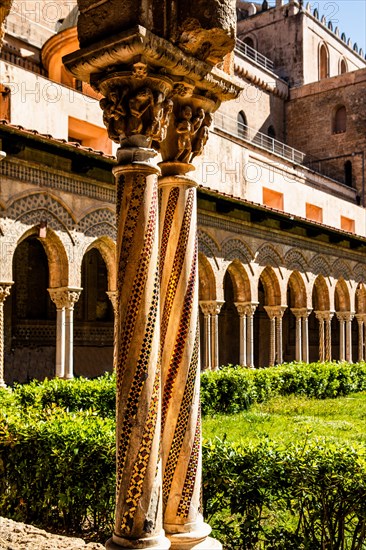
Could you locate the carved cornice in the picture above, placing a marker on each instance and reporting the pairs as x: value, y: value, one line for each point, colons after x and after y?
x: 95, y: 63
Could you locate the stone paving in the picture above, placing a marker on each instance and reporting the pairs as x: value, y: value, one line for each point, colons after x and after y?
x: 18, y: 536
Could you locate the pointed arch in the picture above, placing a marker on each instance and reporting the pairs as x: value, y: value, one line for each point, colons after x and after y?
x: 107, y: 249
x: 56, y: 256
x: 297, y: 290
x: 272, y: 290
x: 320, y: 294
x: 323, y: 61
x: 240, y: 280
x: 341, y: 296
x: 360, y: 298
x: 207, y: 285
x: 295, y: 260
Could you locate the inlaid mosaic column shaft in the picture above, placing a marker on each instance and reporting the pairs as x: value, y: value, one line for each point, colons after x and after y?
x: 4, y: 293
x: 181, y: 422
x: 349, y: 319
x: 241, y: 308
x: 250, y: 334
x: 320, y: 316
x: 138, y: 522
x: 341, y: 320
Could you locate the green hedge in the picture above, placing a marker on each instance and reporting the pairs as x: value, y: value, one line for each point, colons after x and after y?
x: 57, y: 469
x: 78, y: 394
x: 302, y: 498
x: 233, y: 389
x: 229, y: 390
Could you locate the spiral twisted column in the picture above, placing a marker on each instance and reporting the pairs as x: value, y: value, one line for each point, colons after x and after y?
x: 138, y: 522
x: 181, y: 419
x: 4, y: 293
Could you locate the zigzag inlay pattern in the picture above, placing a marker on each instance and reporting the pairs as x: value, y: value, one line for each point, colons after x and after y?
x: 184, y: 324
x: 182, y: 422
x: 168, y: 222
x: 189, y: 483
x: 178, y: 262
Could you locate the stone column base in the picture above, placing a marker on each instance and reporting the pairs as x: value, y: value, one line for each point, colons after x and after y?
x: 163, y: 544
x: 207, y: 544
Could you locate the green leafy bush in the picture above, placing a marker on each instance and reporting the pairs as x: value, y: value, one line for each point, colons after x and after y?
x: 307, y: 498
x: 231, y: 390
x: 98, y: 394
x: 57, y: 469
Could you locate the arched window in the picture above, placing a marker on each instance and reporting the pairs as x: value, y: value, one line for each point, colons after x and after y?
x: 271, y: 132
x: 323, y: 62
x: 242, y: 125
x: 249, y: 42
x: 340, y: 120
x: 343, y: 67
x: 348, y: 173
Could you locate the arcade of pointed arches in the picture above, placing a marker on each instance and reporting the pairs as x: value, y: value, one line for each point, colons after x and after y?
x: 259, y: 305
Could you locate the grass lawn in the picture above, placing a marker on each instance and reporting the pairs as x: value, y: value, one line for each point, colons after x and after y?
x: 293, y: 419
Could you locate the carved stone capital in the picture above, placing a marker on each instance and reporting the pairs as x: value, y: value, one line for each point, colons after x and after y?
x: 275, y: 312
x: 213, y: 307
x: 301, y: 312
x: 324, y: 315
x: 246, y: 308
x: 5, y: 291
x: 64, y: 297
x: 361, y: 317
x: 344, y: 315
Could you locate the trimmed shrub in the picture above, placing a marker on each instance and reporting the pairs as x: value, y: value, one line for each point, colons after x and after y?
x: 57, y: 469
x: 304, y: 498
x: 233, y: 389
x: 98, y: 394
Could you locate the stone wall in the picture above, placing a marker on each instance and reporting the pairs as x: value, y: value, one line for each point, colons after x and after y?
x: 310, y: 121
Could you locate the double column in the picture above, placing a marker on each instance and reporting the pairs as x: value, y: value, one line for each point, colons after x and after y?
x: 325, y: 334
x: 4, y: 293
x: 302, y: 334
x: 64, y: 299
x: 275, y: 314
x: 246, y: 312
x: 211, y: 310
x: 345, y: 335
x: 361, y: 322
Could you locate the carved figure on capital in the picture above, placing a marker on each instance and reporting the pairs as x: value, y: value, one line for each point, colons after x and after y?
x: 128, y: 112
x: 187, y: 128
x: 202, y: 136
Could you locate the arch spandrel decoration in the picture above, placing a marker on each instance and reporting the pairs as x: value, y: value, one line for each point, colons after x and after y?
x: 341, y: 270
x: 296, y: 261
x: 207, y: 245
x: 359, y: 273
x: 99, y: 223
x: 26, y: 208
x: 267, y: 255
x: 236, y: 249
x: 320, y: 266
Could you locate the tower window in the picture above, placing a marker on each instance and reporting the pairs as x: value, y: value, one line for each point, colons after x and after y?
x: 323, y: 62
x: 340, y: 121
